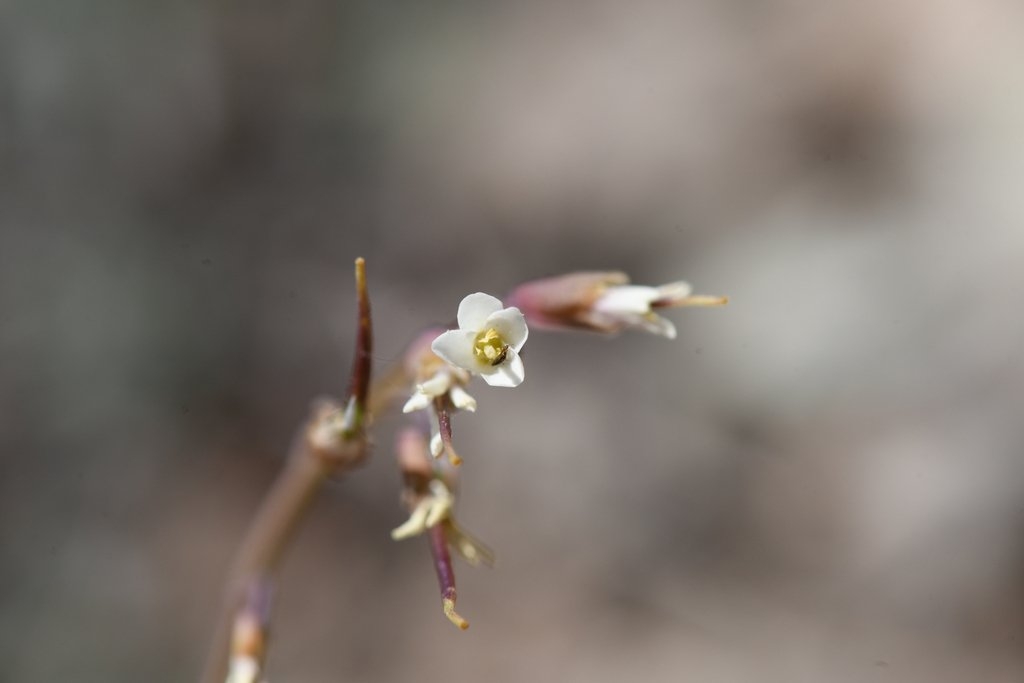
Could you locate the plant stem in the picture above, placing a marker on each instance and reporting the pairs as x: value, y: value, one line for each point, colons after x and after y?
x: 272, y: 528
x: 325, y: 446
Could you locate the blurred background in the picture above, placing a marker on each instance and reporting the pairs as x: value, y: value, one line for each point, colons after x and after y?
x: 822, y: 482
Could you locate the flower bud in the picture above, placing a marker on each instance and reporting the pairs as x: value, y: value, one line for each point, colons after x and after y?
x: 603, y: 302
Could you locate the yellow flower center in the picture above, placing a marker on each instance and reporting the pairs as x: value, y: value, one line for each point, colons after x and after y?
x: 490, y: 348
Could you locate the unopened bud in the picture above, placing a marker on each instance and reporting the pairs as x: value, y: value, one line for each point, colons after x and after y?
x: 603, y: 302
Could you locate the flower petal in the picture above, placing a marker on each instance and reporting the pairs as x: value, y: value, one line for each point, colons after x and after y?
x: 414, y: 525
x: 510, y: 373
x: 510, y: 324
x: 456, y: 347
x: 655, y: 324
x: 436, y: 441
x: 462, y: 400
x: 441, y: 501
x: 436, y: 445
x: 418, y: 401
x: 471, y: 549
x: 674, y: 291
x: 475, y: 308
x: 626, y: 299
x: 436, y: 385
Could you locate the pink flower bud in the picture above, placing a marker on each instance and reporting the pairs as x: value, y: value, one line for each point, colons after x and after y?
x: 603, y: 302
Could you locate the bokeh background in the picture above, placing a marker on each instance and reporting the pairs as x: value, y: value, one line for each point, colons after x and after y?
x: 822, y: 482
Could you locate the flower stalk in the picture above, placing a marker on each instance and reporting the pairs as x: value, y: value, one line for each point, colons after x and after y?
x: 433, y: 377
x: 426, y: 494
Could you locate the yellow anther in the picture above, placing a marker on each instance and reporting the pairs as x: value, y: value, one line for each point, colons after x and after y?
x: 489, y: 347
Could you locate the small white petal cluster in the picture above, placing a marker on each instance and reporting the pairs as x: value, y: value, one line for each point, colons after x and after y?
x: 437, y: 507
x: 631, y: 305
x: 487, y: 342
x: 447, y: 380
x: 431, y: 510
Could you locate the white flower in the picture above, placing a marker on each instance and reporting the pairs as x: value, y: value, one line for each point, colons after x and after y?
x: 631, y: 305
x: 487, y: 342
x: 446, y: 380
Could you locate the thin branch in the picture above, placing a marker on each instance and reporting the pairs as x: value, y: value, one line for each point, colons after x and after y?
x: 362, y: 360
x: 332, y: 442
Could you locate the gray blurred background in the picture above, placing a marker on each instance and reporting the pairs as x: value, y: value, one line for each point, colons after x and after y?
x: 822, y: 482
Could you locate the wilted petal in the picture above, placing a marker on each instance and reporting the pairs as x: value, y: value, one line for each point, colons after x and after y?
x: 440, y: 503
x: 416, y: 524
x: 475, y: 309
x: 462, y: 400
x: 655, y: 324
x: 436, y: 442
x: 417, y: 401
x: 470, y: 549
x: 436, y: 445
x: 436, y: 385
x: 510, y: 373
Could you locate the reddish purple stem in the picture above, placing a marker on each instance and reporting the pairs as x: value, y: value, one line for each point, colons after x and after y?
x: 445, y: 574
x: 359, y: 385
x: 444, y: 424
x: 442, y: 560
